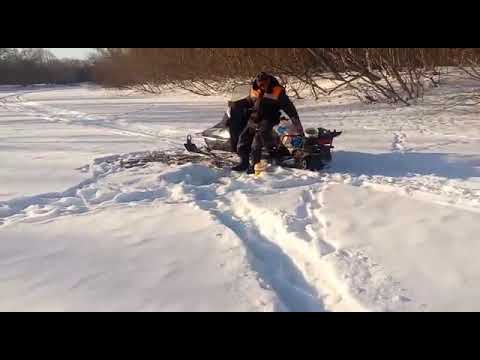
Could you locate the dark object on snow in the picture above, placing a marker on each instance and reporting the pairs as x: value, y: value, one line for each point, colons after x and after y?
x: 253, y: 117
x: 311, y: 151
x: 175, y: 158
x: 190, y: 146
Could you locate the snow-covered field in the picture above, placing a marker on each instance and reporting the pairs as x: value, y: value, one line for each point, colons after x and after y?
x: 392, y: 225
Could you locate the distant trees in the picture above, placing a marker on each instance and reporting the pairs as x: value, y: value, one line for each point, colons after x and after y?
x: 37, y: 65
x: 373, y: 74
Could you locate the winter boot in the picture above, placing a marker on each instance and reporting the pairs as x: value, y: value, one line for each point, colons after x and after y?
x: 241, y: 167
x: 244, y: 164
x: 244, y: 161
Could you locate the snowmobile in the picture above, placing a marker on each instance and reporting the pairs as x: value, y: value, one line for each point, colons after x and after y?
x: 311, y: 151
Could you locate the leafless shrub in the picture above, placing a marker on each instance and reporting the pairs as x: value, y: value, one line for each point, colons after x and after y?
x: 469, y: 62
x: 373, y: 74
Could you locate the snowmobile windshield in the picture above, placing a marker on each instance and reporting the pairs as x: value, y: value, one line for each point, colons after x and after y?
x: 240, y: 92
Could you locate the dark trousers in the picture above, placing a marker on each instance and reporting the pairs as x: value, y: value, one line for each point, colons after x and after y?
x: 239, y: 114
x: 254, y: 138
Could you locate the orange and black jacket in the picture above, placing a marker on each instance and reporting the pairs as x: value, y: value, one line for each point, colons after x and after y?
x: 274, y: 100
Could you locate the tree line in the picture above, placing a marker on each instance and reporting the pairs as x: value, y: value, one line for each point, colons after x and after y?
x: 374, y: 74
x: 39, y: 66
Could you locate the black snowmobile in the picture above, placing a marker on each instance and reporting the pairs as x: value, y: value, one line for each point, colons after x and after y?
x: 310, y: 152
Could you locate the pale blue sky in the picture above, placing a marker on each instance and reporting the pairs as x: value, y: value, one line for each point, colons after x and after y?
x: 77, y: 53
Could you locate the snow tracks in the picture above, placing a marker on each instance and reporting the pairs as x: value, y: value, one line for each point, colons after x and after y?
x: 280, y: 218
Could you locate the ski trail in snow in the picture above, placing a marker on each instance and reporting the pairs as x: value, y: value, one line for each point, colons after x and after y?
x: 316, y: 255
x: 284, y: 259
x: 291, y: 249
x: 275, y: 268
x: 305, y: 249
x: 114, y: 123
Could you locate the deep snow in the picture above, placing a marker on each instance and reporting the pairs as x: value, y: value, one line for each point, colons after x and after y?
x: 391, y: 226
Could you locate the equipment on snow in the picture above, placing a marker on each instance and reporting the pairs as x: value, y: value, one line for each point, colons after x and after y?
x: 311, y: 151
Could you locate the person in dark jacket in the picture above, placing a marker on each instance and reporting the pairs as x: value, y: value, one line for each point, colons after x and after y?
x: 262, y: 107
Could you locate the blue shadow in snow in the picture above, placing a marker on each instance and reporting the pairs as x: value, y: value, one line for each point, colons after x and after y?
x: 406, y: 164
